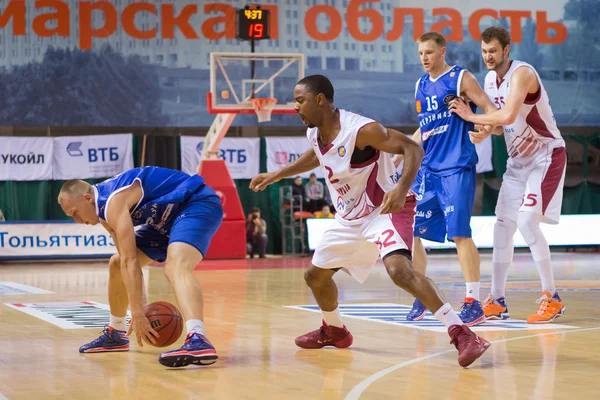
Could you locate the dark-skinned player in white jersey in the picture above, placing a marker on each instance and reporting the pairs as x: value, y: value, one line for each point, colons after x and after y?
x: 375, y: 214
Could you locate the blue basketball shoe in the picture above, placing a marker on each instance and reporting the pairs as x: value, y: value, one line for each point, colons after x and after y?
x: 196, y: 350
x: 418, y: 311
x: 111, y: 340
x: 471, y: 313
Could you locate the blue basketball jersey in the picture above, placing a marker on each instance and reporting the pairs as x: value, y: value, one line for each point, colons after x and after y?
x: 444, y: 136
x: 165, y: 191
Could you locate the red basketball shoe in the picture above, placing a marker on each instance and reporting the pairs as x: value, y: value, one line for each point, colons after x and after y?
x: 325, y: 336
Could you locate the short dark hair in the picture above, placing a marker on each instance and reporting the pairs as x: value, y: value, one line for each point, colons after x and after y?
x: 318, y: 84
x: 498, y: 33
x: 313, y: 174
x: 255, y: 209
x: 437, y: 37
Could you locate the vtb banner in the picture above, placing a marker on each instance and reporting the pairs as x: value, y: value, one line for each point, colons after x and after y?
x: 26, y: 158
x: 97, y: 156
x: 146, y: 63
x: 241, y: 155
x: 64, y: 157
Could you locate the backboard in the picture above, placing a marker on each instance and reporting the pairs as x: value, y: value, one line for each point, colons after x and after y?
x: 237, y: 78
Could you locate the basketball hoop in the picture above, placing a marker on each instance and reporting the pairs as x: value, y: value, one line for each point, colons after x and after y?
x: 263, y: 106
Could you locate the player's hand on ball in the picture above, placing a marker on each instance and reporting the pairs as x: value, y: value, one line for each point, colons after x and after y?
x: 393, y: 202
x: 261, y: 181
x: 143, y: 330
x: 480, y: 133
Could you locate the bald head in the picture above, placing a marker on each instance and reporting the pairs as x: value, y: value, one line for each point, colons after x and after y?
x: 74, y: 188
x: 76, y: 198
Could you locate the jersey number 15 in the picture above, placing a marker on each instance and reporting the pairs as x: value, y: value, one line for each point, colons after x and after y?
x: 432, y: 103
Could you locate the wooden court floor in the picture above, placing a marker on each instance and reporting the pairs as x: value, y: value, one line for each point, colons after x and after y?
x: 255, y: 309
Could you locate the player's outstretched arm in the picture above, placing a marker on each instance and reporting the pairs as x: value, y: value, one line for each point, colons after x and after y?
x: 119, y: 220
x: 520, y: 82
x: 397, y: 159
x: 306, y: 162
x: 393, y: 142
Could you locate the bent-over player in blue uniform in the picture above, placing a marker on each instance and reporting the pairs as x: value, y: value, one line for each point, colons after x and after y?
x: 178, y: 215
x: 445, y: 184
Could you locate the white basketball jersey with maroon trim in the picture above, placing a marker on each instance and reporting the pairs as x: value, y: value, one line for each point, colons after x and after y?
x: 534, y: 132
x: 356, y: 190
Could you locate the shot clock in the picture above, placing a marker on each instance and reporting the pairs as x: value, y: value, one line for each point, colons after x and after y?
x: 253, y: 24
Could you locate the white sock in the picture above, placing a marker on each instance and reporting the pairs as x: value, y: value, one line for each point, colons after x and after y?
x: 118, y: 323
x: 333, y: 318
x: 473, y: 290
x: 195, y: 325
x: 448, y: 316
x: 529, y: 225
x: 504, y: 231
x: 547, y: 275
x: 499, y: 276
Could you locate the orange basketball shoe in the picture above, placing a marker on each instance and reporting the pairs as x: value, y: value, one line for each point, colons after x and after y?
x: 495, y: 308
x: 551, y: 307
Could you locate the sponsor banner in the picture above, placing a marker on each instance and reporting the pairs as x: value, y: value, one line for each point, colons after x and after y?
x: 25, y: 158
x: 395, y: 314
x: 573, y: 230
x: 242, y: 155
x: 69, y: 315
x: 95, y: 156
x: 284, y: 150
x: 18, y: 288
x: 54, y: 240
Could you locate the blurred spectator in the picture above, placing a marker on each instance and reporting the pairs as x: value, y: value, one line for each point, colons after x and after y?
x: 298, y: 190
x: 256, y: 234
x: 324, y: 213
x: 315, y: 193
x: 2, y: 216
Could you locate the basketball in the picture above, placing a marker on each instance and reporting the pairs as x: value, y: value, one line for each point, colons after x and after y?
x: 166, y: 320
x: 225, y: 94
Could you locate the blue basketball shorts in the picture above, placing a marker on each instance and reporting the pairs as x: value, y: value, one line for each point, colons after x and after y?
x: 195, y: 224
x: 444, y: 204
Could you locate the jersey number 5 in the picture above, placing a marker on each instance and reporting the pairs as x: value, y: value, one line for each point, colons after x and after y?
x: 499, y: 102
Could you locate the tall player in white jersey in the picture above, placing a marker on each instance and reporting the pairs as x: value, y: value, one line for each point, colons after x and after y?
x: 375, y: 214
x: 532, y: 187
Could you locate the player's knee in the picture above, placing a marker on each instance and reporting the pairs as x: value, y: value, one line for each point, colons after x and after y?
x: 114, y: 266
x: 170, y: 271
x: 400, y: 269
x: 528, y: 224
x: 504, y: 229
x: 314, y: 278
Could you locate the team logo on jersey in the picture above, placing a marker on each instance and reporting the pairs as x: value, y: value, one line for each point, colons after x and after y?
x: 449, y: 98
x: 452, y: 74
x: 341, y: 151
x: 137, y: 214
x: 418, y: 105
x: 340, y: 203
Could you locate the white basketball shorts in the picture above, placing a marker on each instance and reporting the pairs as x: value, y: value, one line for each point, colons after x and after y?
x: 356, y: 247
x: 536, y: 187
